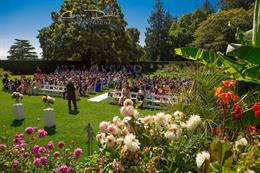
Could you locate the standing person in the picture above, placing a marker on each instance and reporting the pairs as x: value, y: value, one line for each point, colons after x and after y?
x: 71, y: 96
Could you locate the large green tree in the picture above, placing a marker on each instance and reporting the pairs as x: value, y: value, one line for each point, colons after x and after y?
x: 216, y: 32
x: 65, y: 40
x: 156, y: 41
x: 182, y: 31
x: 22, y: 50
x: 135, y: 50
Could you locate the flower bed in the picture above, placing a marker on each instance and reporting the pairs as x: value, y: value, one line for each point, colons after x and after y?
x: 163, y: 142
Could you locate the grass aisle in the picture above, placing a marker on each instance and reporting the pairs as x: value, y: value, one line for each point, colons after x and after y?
x: 68, y: 127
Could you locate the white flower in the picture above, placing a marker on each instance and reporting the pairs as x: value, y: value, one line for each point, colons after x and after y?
x: 128, y: 111
x: 128, y: 102
x: 241, y: 142
x: 201, y: 158
x: 193, y: 122
x: 131, y: 143
x: 168, y: 117
x: 126, y: 119
x: 103, y: 126
x: 125, y: 131
x: 113, y: 129
x: 110, y: 141
x: 161, y: 119
x: 119, y: 141
x: 101, y: 138
x: 117, y: 121
x: 173, y: 132
x: 135, y: 114
x: 178, y: 115
x: 250, y: 171
x: 148, y: 120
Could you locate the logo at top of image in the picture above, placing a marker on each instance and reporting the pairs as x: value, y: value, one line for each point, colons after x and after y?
x: 87, y: 17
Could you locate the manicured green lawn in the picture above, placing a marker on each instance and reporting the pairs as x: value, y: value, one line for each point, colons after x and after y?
x: 68, y: 127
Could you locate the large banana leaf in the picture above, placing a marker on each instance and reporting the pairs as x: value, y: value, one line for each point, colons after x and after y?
x: 189, y: 53
x: 252, y: 72
x: 239, y: 70
x: 247, y: 53
x: 198, y: 54
x: 209, y: 58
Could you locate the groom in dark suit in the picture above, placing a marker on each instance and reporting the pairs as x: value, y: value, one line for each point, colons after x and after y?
x: 71, y: 96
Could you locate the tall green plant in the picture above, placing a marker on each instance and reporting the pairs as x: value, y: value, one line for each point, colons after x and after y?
x: 256, y: 26
x: 199, y: 98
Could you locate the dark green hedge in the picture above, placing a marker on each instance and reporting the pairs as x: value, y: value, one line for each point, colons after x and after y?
x: 29, y: 67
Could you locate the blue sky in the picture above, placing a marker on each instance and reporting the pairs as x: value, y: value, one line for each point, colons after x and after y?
x: 23, y: 18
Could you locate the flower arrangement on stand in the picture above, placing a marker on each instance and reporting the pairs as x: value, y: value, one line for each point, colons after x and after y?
x: 17, y: 96
x: 48, y: 100
x: 48, y: 112
x: 18, y: 107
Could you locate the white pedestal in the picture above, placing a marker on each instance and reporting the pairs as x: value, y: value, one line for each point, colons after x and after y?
x: 49, y: 117
x: 18, y: 111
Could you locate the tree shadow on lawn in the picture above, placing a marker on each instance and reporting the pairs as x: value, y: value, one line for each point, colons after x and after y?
x: 17, y: 123
x: 50, y: 130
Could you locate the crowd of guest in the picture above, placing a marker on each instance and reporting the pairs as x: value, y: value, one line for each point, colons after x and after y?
x: 123, y: 78
x: 156, y: 85
x: 84, y: 79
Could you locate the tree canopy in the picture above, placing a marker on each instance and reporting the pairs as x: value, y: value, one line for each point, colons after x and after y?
x: 22, y: 50
x: 181, y: 31
x: 65, y: 40
x: 220, y: 28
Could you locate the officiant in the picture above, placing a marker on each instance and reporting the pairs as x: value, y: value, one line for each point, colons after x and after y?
x: 71, y: 95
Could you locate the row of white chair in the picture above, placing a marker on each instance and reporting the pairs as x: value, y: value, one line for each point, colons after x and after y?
x: 150, y: 100
x: 52, y: 90
x: 57, y: 90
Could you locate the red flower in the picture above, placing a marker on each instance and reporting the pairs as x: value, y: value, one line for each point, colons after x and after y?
x: 252, y: 128
x: 213, y: 131
x: 229, y: 83
x: 237, y: 112
x: 226, y: 97
x: 256, y: 109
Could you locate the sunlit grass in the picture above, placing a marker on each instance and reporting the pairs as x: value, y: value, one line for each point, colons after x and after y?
x: 68, y: 127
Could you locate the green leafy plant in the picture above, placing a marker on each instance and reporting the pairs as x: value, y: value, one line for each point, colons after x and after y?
x: 241, y: 63
x: 199, y: 95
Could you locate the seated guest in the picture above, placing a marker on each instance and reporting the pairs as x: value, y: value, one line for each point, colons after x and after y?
x: 140, y: 98
x: 125, y: 94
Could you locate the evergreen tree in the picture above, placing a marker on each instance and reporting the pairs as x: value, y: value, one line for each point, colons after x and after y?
x: 207, y: 7
x: 157, y: 33
x: 166, y: 49
x: 22, y: 50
